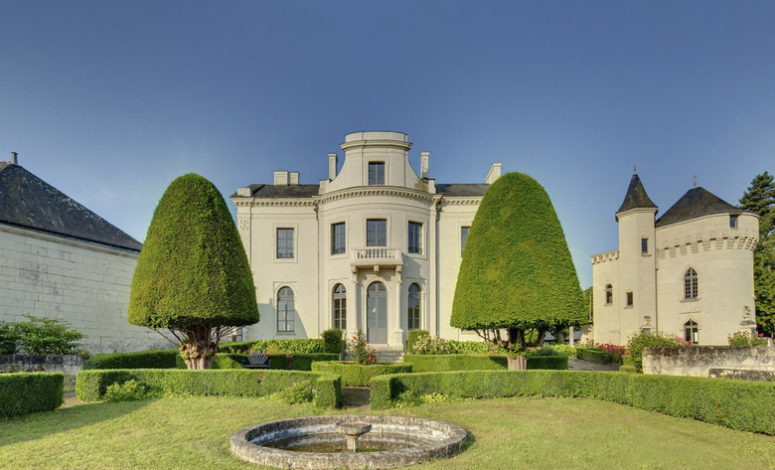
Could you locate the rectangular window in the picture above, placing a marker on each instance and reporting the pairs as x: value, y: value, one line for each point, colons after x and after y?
x: 732, y: 221
x: 376, y: 232
x: 415, y: 237
x: 376, y: 173
x: 629, y: 299
x: 284, y: 243
x: 463, y: 239
x: 644, y: 246
x: 338, y: 238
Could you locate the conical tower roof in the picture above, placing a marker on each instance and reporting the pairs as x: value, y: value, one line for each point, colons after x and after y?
x: 636, y: 197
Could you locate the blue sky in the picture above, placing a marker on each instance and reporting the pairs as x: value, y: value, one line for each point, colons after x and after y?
x: 110, y: 101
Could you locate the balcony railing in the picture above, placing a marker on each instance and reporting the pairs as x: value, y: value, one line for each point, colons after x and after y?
x: 376, y: 256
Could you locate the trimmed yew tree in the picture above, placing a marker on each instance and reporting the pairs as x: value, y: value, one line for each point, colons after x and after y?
x: 517, y: 273
x: 192, y: 278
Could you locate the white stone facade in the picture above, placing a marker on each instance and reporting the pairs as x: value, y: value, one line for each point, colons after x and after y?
x: 691, y: 278
x: 86, y: 284
x: 398, y: 276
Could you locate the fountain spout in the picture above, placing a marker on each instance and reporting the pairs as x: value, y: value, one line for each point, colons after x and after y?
x: 353, y: 431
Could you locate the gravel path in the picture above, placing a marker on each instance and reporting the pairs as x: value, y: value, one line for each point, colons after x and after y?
x: 578, y: 364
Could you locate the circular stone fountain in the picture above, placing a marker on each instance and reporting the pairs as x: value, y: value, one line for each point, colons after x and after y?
x: 323, y: 442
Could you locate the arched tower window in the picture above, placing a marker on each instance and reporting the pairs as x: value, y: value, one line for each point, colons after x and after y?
x: 691, y: 332
x: 285, y: 310
x: 413, y: 307
x: 690, y: 284
x: 609, y: 294
x: 340, y: 307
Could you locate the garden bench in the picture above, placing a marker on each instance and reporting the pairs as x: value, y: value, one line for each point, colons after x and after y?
x: 257, y: 360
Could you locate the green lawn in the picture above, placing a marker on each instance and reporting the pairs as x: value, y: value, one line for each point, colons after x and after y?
x: 507, y: 433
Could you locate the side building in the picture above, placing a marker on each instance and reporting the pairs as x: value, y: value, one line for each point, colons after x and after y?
x: 688, y: 273
x: 374, y: 246
x: 61, y: 260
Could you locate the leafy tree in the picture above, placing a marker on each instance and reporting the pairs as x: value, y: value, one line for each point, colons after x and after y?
x: 517, y: 271
x: 760, y: 198
x: 193, y: 278
x: 39, y: 335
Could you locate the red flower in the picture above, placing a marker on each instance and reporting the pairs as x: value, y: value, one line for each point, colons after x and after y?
x: 761, y: 335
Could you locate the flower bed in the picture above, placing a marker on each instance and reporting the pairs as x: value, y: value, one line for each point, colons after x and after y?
x: 356, y: 375
x: 91, y: 385
x: 746, y: 406
x: 27, y: 392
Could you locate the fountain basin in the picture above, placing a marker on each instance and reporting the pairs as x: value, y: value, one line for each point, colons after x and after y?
x: 393, y: 441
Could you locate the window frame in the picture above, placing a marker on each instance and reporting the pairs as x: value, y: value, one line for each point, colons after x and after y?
x: 691, y: 284
x: 629, y: 299
x: 692, y: 332
x: 464, y: 240
x: 334, y: 225
x: 644, y: 245
x: 339, y: 306
x: 286, y: 321
x: 385, y: 225
x: 419, y: 245
x: 376, y: 164
x: 734, y: 221
x: 609, y: 294
x: 414, y: 312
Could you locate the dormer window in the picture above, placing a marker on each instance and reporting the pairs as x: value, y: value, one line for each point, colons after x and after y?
x: 376, y: 173
x: 733, y: 221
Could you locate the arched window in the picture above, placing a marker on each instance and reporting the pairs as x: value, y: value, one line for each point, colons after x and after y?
x: 340, y: 307
x: 609, y: 294
x: 690, y: 284
x: 413, y: 307
x: 285, y: 310
x: 691, y: 332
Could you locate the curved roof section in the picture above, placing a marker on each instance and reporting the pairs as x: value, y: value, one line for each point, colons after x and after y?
x: 28, y: 201
x: 697, y: 202
x: 636, y: 197
x: 308, y: 190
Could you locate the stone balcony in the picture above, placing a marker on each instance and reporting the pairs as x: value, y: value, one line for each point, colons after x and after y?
x: 376, y: 257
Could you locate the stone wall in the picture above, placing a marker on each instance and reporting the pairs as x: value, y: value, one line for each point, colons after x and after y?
x: 68, y: 365
x: 86, y: 284
x: 710, y: 361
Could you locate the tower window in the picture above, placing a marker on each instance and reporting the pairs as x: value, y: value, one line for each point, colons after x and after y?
x: 691, y: 289
x: 692, y: 332
x: 376, y: 173
x: 376, y: 232
x: 463, y: 239
x: 338, y: 239
x: 630, y: 299
x: 609, y: 294
x: 415, y: 237
x: 733, y: 221
x: 284, y: 243
x: 644, y: 246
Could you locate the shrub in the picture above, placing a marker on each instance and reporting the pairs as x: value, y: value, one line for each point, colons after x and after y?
x: 412, y: 337
x: 451, y: 362
x: 563, y: 349
x: 24, y: 392
x: 742, y: 338
x: 643, y: 340
x: 162, y: 359
x: 737, y: 404
x: 333, y: 341
x: 595, y: 355
x: 357, y: 375
x: 300, y: 392
x: 287, y: 346
x: 276, y: 361
x: 91, y: 385
x: 360, y: 349
x: 9, y: 338
x: 131, y: 390
x: 45, y: 336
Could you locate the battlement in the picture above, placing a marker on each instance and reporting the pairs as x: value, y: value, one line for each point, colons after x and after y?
x: 612, y: 255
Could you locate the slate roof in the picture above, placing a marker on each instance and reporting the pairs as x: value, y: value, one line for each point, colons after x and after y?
x: 636, y: 197
x: 462, y: 189
x: 28, y: 201
x: 309, y: 190
x: 697, y: 202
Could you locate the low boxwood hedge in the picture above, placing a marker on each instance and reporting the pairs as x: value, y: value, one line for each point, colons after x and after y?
x: 28, y: 392
x: 164, y: 359
x: 91, y: 384
x: 595, y: 355
x: 286, y: 346
x: 356, y: 375
x: 450, y: 362
x: 276, y: 361
x: 737, y: 404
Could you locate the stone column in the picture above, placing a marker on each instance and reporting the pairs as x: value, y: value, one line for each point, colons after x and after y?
x: 571, y: 334
x: 398, y: 333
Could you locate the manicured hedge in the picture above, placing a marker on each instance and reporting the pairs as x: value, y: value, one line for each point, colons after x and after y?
x: 276, y: 361
x: 594, y: 355
x: 356, y: 375
x: 451, y: 362
x: 287, y: 346
x: 91, y: 384
x: 27, y: 392
x: 737, y: 404
x: 166, y: 359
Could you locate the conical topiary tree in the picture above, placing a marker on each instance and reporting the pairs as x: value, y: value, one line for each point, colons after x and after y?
x: 517, y: 271
x: 193, y: 277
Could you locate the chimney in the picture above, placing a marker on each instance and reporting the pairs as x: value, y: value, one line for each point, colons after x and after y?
x: 293, y: 178
x: 424, y: 157
x: 493, y: 174
x: 280, y: 178
x: 14, y: 158
x: 245, y: 192
x: 332, y: 163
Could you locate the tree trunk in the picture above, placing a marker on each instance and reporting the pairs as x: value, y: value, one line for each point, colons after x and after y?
x: 541, y: 336
x: 517, y: 363
x: 198, y: 348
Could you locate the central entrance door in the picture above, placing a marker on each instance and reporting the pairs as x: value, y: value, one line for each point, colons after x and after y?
x: 376, y: 306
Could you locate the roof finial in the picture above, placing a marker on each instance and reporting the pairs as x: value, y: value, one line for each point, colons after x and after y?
x: 634, y: 169
x: 695, y: 181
